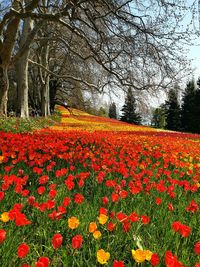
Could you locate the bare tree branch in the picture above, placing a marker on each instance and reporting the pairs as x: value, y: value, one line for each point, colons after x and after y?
x: 63, y: 76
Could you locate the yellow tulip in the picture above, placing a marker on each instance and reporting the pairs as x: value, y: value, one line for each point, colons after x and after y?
x: 102, y: 218
x: 148, y: 255
x: 97, y: 234
x: 73, y: 223
x: 4, y: 217
x: 139, y: 255
x: 103, y: 256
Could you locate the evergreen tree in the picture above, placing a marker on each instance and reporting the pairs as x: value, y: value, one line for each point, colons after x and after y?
x: 159, y: 118
x: 196, y: 110
x: 188, y: 105
x: 129, y: 113
x: 112, y: 113
x: 172, y: 110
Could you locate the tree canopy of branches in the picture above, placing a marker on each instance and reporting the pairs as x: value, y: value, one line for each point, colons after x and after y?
x: 99, y: 44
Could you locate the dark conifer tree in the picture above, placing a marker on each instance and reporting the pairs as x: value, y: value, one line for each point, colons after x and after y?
x: 173, y: 112
x: 196, y: 110
x: 129, y: 113
x: 159, y: 117
x: 112, y: 113
x: 188, y: 106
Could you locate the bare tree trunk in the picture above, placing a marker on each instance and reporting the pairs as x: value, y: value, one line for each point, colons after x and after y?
x: 22, y: 72
x: 45, y: 105
x: 22, y: 86
x: 7, y: 42
x: 4, y: 85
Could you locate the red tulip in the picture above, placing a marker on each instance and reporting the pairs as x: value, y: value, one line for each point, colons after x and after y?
x: 158, y: 201
x: 103, y: 210
x: 31, y: 200
x: 185, y: 230
x: 114, y: 197
x: 42, y: 262
x: 170, y: 207
x: 111, y: 226
x: 118, y: 264
x: 176, y: 226
x: 77, y: 241
x: 22, y: 250
x: 193, y: 207
x: 145, y: 219
x: 105, y: 200
x: 57, y: 241
x: 122, y: 217
x: 2, y: 194
x: 155, y: 260
x: 43, y: 179
x: 78, y: 198
x: 69, y: 183
x: 197, y: 248
x: 170, y: 260
x: 126, y: 226
x: 41, y: 190
x: 2, y: 235
x: 66, y: 201
x: 52, y: 193
x: 21, y: 220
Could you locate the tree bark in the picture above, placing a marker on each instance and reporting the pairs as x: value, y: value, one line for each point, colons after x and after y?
x: 8, y: 35
x: 4, y: 85
x: 22, y: 72
x: 22, y: 87
x: 45, y: 105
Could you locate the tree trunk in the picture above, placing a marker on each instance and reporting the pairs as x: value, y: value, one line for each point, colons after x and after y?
x: 45, y: 108
x: 22, y: 86
x: 45, y: 105
x: 22, y: 73
x: 4, y: 85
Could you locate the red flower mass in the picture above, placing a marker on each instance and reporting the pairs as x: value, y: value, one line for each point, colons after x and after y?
x: 138, y: 177
x: 184, y: 230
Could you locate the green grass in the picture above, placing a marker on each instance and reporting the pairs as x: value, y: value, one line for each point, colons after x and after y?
x: 21, y: 125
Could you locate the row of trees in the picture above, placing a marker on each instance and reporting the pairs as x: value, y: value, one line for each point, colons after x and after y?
x: 183, y: 115
x: 174, y: 114
x: 51, y: 50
